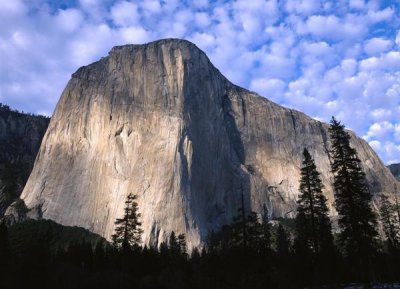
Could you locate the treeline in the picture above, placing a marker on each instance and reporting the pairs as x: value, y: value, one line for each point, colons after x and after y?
x: 252, y: 252
x: 6, y: 109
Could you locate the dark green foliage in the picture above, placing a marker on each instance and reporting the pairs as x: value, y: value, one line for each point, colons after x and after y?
x: 4, y: 250
x: 127, y: 229
x: 182, y: 244
x: 265, y: 229
x: 357, y: 221
x: 313, y: 227
x: 82, y: 261
x: 282, y: 242
x: 314, y: 240
x: 173, y: 244
x: 390, y: 222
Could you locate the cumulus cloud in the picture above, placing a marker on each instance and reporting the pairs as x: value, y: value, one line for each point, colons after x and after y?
x: 376, y: 46
x: 322, y: 57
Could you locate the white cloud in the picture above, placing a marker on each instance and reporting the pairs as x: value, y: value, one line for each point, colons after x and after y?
x: 322, y: 57
x: 69, y: 20
x: 125, y: 13
x: 331, y: 27
x: 376, y: 145
x: 272, y: 88
x: 303, y: 7
x: 12, y: 7
x: 376, y: 46
x: 380, y: 15
x: 380, y: 130
x: 135, y: 34
x: 151, y: 6
x: 397, y: 40
x: 357, y: 4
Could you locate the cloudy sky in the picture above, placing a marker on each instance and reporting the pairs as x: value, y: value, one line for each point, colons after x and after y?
x: 339, y: 57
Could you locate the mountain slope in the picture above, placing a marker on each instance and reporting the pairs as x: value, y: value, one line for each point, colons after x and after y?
x: 395, y: 169
x: 159, y: 120
x: 20, y: 138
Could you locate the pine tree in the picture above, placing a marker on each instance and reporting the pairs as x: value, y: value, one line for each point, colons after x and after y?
x: 182, y: 244
x: 313, y: 227
x: 240, y: 225
x: 357, y: 221
x: 388, y: 216
x: 127, y: 231
x: 266, y: 229
x: 173, y: 244
x: 282, y: 242
x: 4, y: 251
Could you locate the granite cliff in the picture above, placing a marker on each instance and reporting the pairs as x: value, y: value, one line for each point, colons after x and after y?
x: 395, y: 169
x: 20, y: 138
x: 160, y: 121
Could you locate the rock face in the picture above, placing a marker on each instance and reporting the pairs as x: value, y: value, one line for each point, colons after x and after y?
x: 159, y: 120
x: 395, y: 169
x: 20, y: 138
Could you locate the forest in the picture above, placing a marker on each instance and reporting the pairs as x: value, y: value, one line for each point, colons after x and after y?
x: 361, y: 248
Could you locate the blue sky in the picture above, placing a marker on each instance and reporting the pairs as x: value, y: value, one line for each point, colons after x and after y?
x: 339, y: 57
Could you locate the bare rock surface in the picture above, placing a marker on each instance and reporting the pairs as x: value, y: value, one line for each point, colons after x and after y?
x: 160, y: 121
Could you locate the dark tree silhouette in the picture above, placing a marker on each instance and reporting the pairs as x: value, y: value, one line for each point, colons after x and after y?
x: 313, y: 226
x: 182, y: 244
x: 314, y: 241
x: 282, y: 242
x: 265, y: 229
x: 357, y: 221
x: 390, y: 224
x: 173, y: 243
x: 127, y: 231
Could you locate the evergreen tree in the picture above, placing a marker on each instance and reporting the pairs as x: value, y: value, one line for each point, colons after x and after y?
x: 4, y: 251
x: 313, y: 227
x: 240, y: 226
x: 357, y: 221
x: 127, y: 231
x: 388, y: 216
x: 182, y: 244
x: 282, y: 242
x: 173, y: 244
x: 265, y: 229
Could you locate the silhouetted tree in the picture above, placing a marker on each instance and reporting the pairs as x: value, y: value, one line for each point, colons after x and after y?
x: 4, y: 251
x: 313, y: 226
x: 388, y: 216
x: 282, y: 242
x: 314, y: 240
x: 127, y: 231
x: 182, y: 244
x: 173, y: 244
x: 265, y: 229
x: 357, y: 221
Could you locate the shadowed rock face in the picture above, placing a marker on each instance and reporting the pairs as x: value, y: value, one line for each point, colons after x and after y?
x: 159, y: 120
x: 20, y: 138
x: 395, y: 169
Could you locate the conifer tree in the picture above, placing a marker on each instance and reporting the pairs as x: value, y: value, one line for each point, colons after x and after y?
x: 182, y: 244
x: 282, y: 242
x: 313, y: 227
x: 266, y: 229
x: 357, y: 221
x: 127, y: 231
x: 390, y: 224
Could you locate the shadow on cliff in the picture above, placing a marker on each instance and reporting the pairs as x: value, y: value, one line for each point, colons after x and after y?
x: 215, y: 184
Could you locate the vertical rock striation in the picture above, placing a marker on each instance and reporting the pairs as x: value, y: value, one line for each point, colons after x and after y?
x: 160, y: 121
